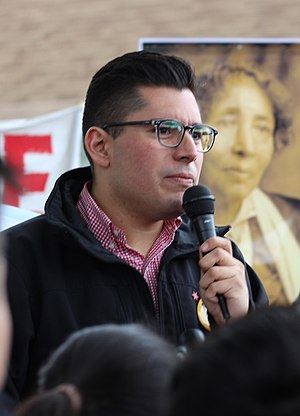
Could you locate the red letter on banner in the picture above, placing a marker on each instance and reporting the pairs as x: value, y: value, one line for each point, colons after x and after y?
x: 15, y: 146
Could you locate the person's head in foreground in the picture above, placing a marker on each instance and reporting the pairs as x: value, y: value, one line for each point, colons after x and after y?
x: 251, y: 367
x: 6, y: 174
x: 108, y: 369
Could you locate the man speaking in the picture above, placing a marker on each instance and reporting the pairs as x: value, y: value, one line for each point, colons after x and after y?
x: 113, y: 244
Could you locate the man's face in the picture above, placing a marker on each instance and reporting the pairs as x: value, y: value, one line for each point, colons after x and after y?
x: 146, y: 178
x: 244, y: 147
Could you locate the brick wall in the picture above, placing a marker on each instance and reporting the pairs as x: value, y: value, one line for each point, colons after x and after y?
x: 50, y: 49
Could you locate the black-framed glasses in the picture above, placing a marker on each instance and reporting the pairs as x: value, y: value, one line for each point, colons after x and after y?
x: 170, y: 132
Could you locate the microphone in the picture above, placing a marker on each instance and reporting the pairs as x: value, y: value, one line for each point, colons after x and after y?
x: 199, y: 205
x: 188, y: 340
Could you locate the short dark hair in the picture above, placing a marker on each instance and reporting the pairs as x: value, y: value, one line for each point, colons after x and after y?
x: 118, y: 369
x: 210, y: 85
x: 250, y: 367
x: 113, y: 91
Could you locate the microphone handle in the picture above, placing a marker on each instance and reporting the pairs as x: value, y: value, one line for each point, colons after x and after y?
x: 205, y: 228
x: 224, y: 308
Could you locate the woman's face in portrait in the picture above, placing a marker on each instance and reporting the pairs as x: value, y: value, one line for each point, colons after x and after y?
x: 244, y: 116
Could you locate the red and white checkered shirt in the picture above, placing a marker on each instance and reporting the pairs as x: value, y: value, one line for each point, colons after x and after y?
x: 113, y: 239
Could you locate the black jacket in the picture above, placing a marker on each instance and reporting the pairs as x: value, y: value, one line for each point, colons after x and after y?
x: 61, y: 279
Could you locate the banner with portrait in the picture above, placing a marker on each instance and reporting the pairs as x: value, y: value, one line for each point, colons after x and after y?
x: 249, y: 89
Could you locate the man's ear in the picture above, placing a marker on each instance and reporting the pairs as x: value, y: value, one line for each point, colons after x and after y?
x: 97, y: 143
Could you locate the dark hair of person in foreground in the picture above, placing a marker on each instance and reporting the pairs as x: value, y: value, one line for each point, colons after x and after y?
x: 105, y: 370
x: 249, y: 368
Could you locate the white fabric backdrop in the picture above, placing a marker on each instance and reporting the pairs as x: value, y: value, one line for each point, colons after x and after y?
x: 41, y: 149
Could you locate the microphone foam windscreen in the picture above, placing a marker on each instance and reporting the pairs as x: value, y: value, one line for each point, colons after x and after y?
x: 198, y: 200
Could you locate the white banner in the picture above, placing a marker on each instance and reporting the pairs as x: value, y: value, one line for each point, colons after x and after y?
x: 11, y: 216
x: 40, y: 149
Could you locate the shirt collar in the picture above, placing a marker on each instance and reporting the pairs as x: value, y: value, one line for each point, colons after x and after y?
x: 98, y: 221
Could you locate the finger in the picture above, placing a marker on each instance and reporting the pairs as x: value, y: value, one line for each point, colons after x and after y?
x: 233, y: 277
x: 215, y: 242
x: 217, y: 257
x: 213, y: 307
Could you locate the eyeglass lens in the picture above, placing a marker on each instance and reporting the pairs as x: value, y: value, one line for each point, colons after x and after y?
x: 170, y: 133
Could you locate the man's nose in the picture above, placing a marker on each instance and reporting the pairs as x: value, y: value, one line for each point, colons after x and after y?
x: 187, y: 148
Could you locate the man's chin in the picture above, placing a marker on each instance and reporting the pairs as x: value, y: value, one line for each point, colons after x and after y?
x: 175, y: 209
